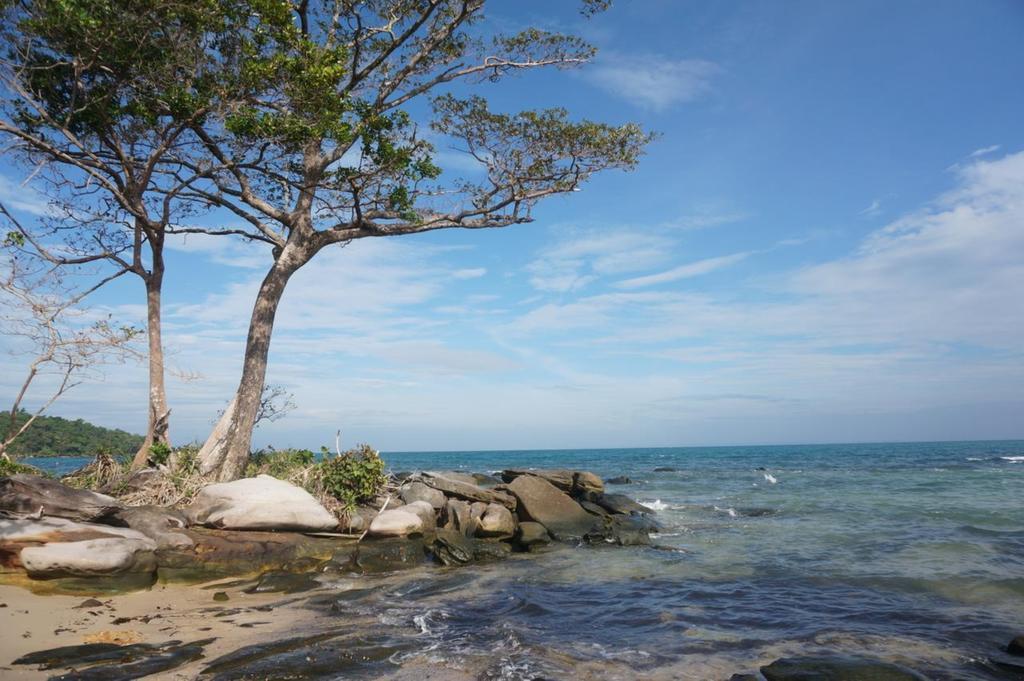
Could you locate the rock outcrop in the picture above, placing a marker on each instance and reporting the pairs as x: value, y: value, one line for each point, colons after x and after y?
x: 57, y: 547
x: 396, y: 522
x: 260, y: 503
x: 571, y: 482
x: 838, y: 667
x: 34, y: 495
x: 542, y: 502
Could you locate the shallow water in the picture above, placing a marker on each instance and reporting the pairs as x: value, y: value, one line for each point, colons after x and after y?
x: 912, y: 553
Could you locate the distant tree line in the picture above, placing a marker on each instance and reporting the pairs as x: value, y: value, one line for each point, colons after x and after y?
x: 54, y: 436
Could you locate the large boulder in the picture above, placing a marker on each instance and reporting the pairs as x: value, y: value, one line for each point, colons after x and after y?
x: 837, y: 668
x: 530, y: 534
x: 34, y: 495
x: 396, y: 522
x: 542, y: 502
x: 617, y: 503
x: 573, y: 482
x: 497, y: 522
x: 451, y: 547
x: 260, y: 503
x: 458, y: 516
x: 57, y: 547
x: 1016, y: 646
x: 425, y: 511
x: 467, y: 492
x: 418, y: 491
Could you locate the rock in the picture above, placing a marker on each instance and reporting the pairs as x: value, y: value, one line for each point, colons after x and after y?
x: 28, y: 494
x: 622, y: 530
x: 387, y: 555
x: 744, y: 677
x: 532, y: 534
x: 542, y: 502
x: 484, y: 480
x: 141, y: 479
x: 451, y: 547
x: 425, y: 512
x: 1016, y: 646
x: 466, y: 478
x: 458, y: 516
x: 417, y: 491
x: 108, y: 661
x: 58, y: 547
x: 619, y: 480
x: 573, y: 482
x: 163, y: 525
x: 497, y: 522
x: 837, y: 669
x: 221, y: 596
x: 396, y: 523
x: 467, y: 491
x: 260, y: 503
x: 89, y: 558
x: 477, y: 510
x: 281, y: 581
x: 617, y: 503
x: 490, y: 550
x: 665, y: 469
x: 591, y: 507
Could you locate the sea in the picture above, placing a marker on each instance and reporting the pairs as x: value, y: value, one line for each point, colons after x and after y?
x: 911, y: 553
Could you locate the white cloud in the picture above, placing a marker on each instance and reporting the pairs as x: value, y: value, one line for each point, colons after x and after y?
x: 22, y: 198
x: 652, y: 81
x: 583, y: 256
x: 984, y: 151
x: 873, y: 209
x: 469, y: 273
x: 693, y: 269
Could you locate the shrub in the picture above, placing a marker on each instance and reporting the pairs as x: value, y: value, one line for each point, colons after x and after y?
x: 283, y: 464
x: 11, y: 467
x: 353, y: 477
x: 159, y: 452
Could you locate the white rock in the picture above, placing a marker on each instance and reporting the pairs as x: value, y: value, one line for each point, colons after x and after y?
x: 497, y: 521
x: 260, y: 503
x: 425, y: 511
x: 396, y: 523
x: 91, y: 557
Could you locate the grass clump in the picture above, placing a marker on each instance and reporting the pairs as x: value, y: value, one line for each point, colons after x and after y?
x: 104, y: 472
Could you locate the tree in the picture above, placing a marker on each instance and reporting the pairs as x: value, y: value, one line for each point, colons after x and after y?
x: 97, y: 95
x: 311, y: 140
x: 41, y: 312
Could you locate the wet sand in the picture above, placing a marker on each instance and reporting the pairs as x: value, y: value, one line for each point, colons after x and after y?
x: 30, y: 622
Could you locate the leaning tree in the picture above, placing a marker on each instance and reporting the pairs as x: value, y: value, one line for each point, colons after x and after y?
x: 318, y: 135
x: 96, y: 98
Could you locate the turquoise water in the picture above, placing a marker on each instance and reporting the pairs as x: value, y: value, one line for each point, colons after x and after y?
x: 912, y: 553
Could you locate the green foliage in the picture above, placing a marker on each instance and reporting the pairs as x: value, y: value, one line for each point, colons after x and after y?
x: 354, y: 477
x: 159, y: 452
x: 283, y: 464
x: 55, y: 436
x: 8, y: 467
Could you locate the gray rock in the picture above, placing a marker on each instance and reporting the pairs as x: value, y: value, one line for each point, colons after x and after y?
x: 396, y: 523
x: 162, y: 525
x: 451, y: 547
x: 573, y: 482
x: 1016, y: 646
x: 418, y: 491
x: 837, y: 668
x: 665, y: 469
x: 497, y: 522
x: 484, y: 480
x: 467, y: 491
x: 425, y: 512
x: 619, y: 480
x: 617, y: 503
x: 532, y: 534
x: 542, y: 502
x: 591, y: 507
x: 260, y: 503
x: 29, y: 494
x: 458, y: 516
x: 622, y: 530
x: 490, y: 550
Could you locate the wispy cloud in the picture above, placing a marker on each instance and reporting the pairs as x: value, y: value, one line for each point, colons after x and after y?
x: 687, y: 271
x: 652, y: 81
x: 469, y: 273
x: 873, y: 209
x: 984, y: 151
x: 585, y: 255
x: 22, y: 198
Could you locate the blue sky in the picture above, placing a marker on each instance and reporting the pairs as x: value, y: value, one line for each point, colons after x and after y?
x: 826, y: 243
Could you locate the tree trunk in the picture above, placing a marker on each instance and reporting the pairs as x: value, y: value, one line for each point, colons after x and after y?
x: 159, y: 414
x: 227, y: 449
